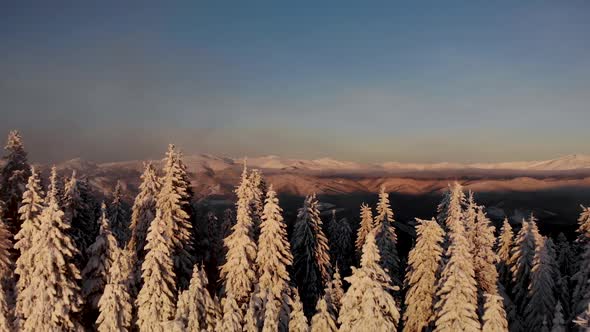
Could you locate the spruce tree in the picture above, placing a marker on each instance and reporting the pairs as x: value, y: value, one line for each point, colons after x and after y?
x: 366, y: 226
x: 297, y: 319
x: 386, y: 237
x: 521, y: 262
x: 30, y: 211
x: 143, y: 212
x: 424, y: 264
x: 6, y: 319
x: 324, y: 319
x: 115, y: 304
x: 484, y: 256
x: 258, y: 195
x: 340, y: 241
x: 312, y: 267
x: 581, y: 287
x: 335, y: 291
x: 118, y: 216
x: 541, y: 299
x: 196, y: 309
x: 238, y: 272
x: 77, y: 213
x: 369, y: 291
x: 232, y: 316
x: 505, y: 243
x: 450, y: 210
x: 52, y: 299
x: 470, y: 219
x: 13, y: 179
x: 101, y: 256
x: 494, y: 317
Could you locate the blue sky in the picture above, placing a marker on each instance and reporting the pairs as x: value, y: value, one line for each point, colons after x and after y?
x: 367, y: 81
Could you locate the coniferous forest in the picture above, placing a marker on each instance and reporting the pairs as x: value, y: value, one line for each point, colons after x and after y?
x: 71, y: 261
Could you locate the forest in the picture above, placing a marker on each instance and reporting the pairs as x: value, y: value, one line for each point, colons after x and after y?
x: 73, y: 260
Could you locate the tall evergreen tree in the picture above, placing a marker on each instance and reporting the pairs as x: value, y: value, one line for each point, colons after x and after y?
x: 6, y: 319
x: 367, y: 225
x: 386, y: 237
x: 424, y: 264
x: 367, y: 304
x: 196, y: 309
x: 232, y: 316
x: 521, y: 262
x: 101, y: 256
x: 450, y: 210
x: 52, y: 299
x: 115, y: 303
x: 13, y: 179
x: 484, y: 256
x: 258, y: 195
x: 324, y: 319
x: 238, y: 272
x: 494, y: 317
x: 505, y: 243
x: 470, y: 219
x: 312, y: 267
x: 335, y: 291
x: 340, y: 241
x: 297, y: 319
x: 77, y: 212
x: 118, y: 217
x: 456, y: 309
x: 30, y: 211
x: 541, y: 299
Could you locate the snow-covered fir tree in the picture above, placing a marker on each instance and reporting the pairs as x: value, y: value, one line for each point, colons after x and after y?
x: 30, y: 211
x: 196, y: 309
x: 14, y: 176
x: 335, y: 290
x: 312, y: 267
x: 484, y: 256
x: 143, y: 212
x: 541, y: 299
x: 424, y: 264
x: 55, y: 186
x: 100, y: 258
x: 232, y: 316
x: 6, y: 319
x: 470, y: 220
x: 297, y: 320
x: 258, y: 195
x: 118, y: 216
x: 581, y: 286
x: 386, y: 237
x: 77, y: 212
x: 52, y: 299
x: 505, y: 243
x: 521, y: 262
x: 238, y: 273
x: 366, y: 226
x: 456, y: 308
x: 450, y: 210
x: 494, y: 317
x: 115, y: 304
x: 369, y: 289
x: 324, y: 319
x: 340, y: 241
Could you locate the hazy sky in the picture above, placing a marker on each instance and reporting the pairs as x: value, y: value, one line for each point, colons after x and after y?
x: 358, y: 80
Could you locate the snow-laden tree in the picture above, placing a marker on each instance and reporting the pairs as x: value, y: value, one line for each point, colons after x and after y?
x: 324, y: 319
x: 484, y: 256
x: 514, y: 319
x: 238, y: 273
x: 505, y: 243
x: 297, y: 319
x: 55, y: 186
x: 258, y: 195
x: 424, y: 264
x: 196, y: 309
x: 13, y: 179
x: 368, y: 304
x: 521, y: 262
x: 100, y: 258
x: 386, y: 237
x: 335, y: 291
x: 584, y: 226
x: 558, y: 324
x: 156, y: 300
x: 312, y: 267
x: 470, y: 220
x: 494, y: 317
x: 115, y: 304
x: 541, y: 298
x: 6, y: 275
x: 143, y: 212
x: 77, y: 213
x: 366, y: 226
x: 581, y: 286
x: 340, y: 241
x: 30, y: 211
x: 232, y: 316
x: 273, y: 261
x: 582, y: 321
x: 52, y: 299
x: 450, y: 210
x: 118, y: 216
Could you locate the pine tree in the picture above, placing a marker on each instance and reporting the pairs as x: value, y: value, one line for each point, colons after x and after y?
x: 470, y: 219
x: 101, y: 256
x: 6, y: 318
x: 30, y: 211
x: 13, y: 179
x: 118, y: 216
x: 456, y: 309
x: 450, y: 210
x: 505, y: 243
x: 424, y: 263
x: 312, y: 265
x: 55, y: 187
x: 196, y: 309
x: 521, y: 262
x: 558, y: 324
x: 484, y: 256
x: 232, y: 316
x: 238, y: 272
x: 369, y: 291
x: 541, y: 299
x: 297, y: 319
x: 143, y: 212
x: 52, y: 298
x: 340, y: 241
x: 324, y: 320
x: 494, y: 317
x: 366, y: 226
x: 77, y: 214
x: 386, y: 237
x: 258, y: 192
x: 115, y: 304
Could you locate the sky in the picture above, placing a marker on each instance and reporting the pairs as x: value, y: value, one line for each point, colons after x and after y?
x: 368, y: 81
